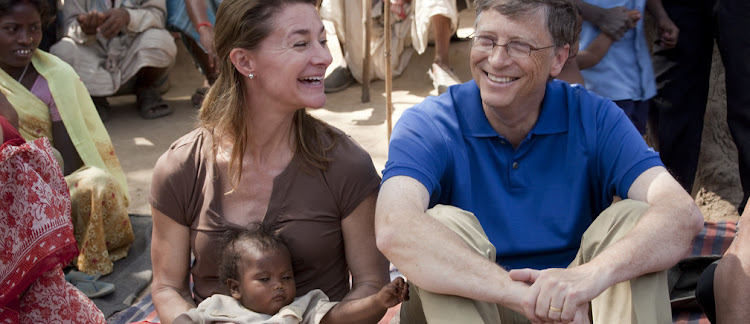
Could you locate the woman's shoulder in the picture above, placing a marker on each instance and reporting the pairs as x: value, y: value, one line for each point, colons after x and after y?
x: 185, y: 153
x: 346, y: 150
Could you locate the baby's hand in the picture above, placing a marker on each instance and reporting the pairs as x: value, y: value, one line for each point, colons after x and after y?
x: 394, y: 293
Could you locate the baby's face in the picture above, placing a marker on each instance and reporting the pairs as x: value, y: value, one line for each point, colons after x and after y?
x: 266, y: 282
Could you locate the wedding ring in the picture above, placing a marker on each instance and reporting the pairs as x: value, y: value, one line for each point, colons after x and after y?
x: 555, y: 309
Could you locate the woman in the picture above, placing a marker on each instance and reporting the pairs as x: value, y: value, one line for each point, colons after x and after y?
x: 36, y: 235
x: 52, y: 102
x: 258, y: 156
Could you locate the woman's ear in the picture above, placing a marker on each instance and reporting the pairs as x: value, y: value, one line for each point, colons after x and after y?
x: 243, y: 60
x: 234, y: 288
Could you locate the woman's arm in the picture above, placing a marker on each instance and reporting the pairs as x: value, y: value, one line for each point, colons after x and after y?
x: 170, y: 255
x: 368, y: 267
x: 71, y: 160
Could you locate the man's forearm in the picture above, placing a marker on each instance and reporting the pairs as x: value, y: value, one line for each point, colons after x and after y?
x: 658, y: 241
x: 436, y: 259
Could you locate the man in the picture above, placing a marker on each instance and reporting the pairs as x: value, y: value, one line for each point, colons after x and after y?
x: 532, y: 163
x: 119, y: 47
x: 682, y: 78
x: 417, y: 19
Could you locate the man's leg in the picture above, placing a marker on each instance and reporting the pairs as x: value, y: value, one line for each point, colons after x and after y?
x: 733, y: 18
x: 641, y: 300
x: 682, y: 79
x: 427, y: 307
x: 441, y: 72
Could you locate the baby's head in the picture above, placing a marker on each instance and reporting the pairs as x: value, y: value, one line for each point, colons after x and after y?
x: 257, y: 268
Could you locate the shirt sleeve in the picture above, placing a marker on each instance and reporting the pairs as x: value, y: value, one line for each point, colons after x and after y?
x: 418, y: 150
x: 623, y: 154
x: 172, y: 184
x: 351, y: 175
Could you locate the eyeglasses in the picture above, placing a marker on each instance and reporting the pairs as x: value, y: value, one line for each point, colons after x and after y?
x: 513, y: 48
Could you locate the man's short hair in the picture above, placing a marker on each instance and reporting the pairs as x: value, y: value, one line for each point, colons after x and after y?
x: 561, y: 15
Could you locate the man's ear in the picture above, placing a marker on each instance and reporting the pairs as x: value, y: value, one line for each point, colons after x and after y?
x: 561, y: 56
x: 243, y: 60
x: 234, y: 288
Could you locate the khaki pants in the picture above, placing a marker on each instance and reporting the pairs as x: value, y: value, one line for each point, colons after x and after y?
x: 641, y: 300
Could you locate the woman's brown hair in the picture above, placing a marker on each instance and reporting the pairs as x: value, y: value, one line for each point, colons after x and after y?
x: 245, y: 24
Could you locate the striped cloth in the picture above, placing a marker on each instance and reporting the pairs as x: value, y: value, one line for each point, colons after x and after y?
x: 714, y: 239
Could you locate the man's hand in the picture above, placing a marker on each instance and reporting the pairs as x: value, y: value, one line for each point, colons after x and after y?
x: 206, y: 34
x: 559, y: 295
x: 668, y: 33
x: 614, y: 22
x: 394, y: 293
x: 90, y: 21
x: 114, y: 20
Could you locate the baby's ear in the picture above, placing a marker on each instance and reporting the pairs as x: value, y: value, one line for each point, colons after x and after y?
x: 234, y: 288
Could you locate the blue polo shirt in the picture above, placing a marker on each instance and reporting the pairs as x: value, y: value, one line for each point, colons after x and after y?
x: 534, y: 202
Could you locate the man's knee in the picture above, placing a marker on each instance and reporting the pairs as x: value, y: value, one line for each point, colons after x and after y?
x: 65, y: 49
x: 467, y: 226
x: 613, y: 223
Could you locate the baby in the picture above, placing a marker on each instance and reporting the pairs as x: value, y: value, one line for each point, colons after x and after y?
x: 257, y: 268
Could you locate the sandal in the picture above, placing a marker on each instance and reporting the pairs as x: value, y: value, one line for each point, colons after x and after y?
x: 151, y: 105
x: 198, y: 96
x: 89, y: 285
x: 102, y: 107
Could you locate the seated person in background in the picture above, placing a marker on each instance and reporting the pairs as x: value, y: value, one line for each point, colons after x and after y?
x: 581, y: 60
x: 257, y: 269
x: 514, y: 171
x: 724, y: 287
x: 52, y: 102
x: 412, y: 29
x: 119, y: 50
x: 195, y: 19
x: 36, y: 234
x: 625, y: 74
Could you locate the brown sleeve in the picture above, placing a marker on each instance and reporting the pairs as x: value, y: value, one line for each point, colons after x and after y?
x: 175, y: 184
x: 351, y: 175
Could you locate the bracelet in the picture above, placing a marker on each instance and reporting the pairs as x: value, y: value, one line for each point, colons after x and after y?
x: 205, y: 23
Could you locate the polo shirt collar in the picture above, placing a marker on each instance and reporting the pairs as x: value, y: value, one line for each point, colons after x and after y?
x: 553, y: 118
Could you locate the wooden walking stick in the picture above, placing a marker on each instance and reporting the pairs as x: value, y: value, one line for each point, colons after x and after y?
x: 367, y: 22
x: 388, y: 72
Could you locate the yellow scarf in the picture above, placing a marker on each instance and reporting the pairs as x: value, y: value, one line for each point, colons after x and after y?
x: 77, y: 111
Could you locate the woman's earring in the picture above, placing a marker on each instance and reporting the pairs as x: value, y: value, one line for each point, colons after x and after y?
x: 251, y: 75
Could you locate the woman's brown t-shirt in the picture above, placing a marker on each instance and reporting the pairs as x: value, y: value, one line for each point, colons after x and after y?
x: 306, y: 206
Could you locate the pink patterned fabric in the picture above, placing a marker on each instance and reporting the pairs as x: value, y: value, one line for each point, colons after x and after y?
x: 36, y: 237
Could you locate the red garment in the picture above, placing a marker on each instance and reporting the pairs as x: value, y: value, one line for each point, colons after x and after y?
x: 36, y: 237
